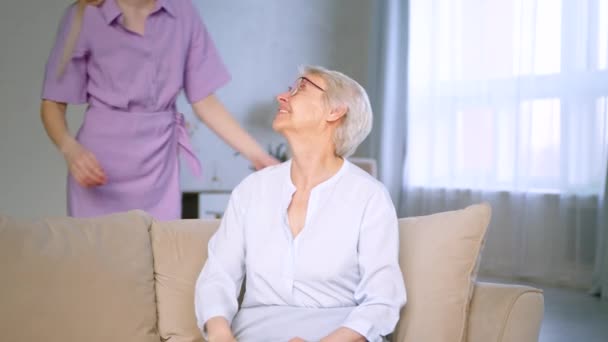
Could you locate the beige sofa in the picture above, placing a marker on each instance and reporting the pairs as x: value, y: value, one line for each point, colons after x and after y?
x: 125, y: 277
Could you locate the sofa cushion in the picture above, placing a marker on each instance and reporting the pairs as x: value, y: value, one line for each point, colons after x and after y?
x: 67, y: 279
x: 180, y: 250
x: 439, y: 258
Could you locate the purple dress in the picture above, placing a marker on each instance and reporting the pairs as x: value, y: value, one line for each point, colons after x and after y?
x: 131, y: 82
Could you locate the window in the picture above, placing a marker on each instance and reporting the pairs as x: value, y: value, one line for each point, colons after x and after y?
x: 508, y: 95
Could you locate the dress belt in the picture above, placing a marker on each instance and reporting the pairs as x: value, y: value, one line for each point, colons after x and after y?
x: 185, y: 146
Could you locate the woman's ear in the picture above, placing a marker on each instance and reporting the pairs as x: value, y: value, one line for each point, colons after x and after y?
x: 337, y: 113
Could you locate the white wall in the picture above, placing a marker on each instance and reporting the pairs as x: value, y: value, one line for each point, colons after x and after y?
x: 32, y: 174
x: 262, y: 43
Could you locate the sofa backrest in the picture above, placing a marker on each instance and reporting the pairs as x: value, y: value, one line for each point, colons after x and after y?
x: 438, y: 257
x: 74, y: 280
x: 180, y: 251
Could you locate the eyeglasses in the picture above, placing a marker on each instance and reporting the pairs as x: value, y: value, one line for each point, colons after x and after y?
x: 300, y: 84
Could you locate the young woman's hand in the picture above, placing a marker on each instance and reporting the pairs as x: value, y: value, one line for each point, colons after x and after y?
x: 83, y: 165
x: 264, y: 160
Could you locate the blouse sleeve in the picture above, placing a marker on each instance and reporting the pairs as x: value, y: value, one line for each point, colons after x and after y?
x: 381, y: 291
x: 219, y: 283
x: 205, y: 71
x: 70, y: 87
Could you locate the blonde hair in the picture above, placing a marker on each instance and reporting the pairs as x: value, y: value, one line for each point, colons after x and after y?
x: 72, y: 37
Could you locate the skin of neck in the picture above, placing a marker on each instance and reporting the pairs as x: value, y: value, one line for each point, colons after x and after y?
x: 314, y: 160
x: 136, y: 4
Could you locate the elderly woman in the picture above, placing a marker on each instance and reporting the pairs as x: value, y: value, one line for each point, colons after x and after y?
x: 316, y: 237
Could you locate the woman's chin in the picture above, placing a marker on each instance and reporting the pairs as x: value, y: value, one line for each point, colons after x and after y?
x: 279, y: 124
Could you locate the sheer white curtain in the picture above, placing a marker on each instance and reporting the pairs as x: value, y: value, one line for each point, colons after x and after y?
x: 507, y: 103
x: 386, y: 87
x: 600, y: 274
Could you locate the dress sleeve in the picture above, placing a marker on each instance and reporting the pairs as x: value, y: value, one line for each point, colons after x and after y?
x: 205, y: 71
x: 219, y: 283
x: 70, y: 87
x: 381, y: 291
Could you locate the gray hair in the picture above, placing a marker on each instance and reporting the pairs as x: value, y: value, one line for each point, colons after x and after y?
x: 344, y: 91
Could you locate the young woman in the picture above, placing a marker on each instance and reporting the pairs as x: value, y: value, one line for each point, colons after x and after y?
x: 128, y: 60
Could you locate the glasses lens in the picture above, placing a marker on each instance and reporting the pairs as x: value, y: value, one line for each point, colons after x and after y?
x: 296, y: 86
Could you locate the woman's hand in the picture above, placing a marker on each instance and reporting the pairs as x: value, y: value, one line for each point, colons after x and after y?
x: 83, y: 165
x: 218, y: 330
x: 297, y: 339
x: 264, y: 160
x: 343, y: 334
x: 222, y: 339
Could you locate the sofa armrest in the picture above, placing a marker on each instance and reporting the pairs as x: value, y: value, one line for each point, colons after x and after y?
x: 505, y: 313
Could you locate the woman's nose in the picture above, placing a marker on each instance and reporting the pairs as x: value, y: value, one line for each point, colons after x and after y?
x: 283, y: 97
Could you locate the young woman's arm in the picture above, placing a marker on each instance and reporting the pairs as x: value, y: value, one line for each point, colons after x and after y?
x: 213, y: 113
x: 82, y: 163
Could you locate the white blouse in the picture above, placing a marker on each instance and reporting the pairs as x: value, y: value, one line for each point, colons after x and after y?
x: 341, y: 270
